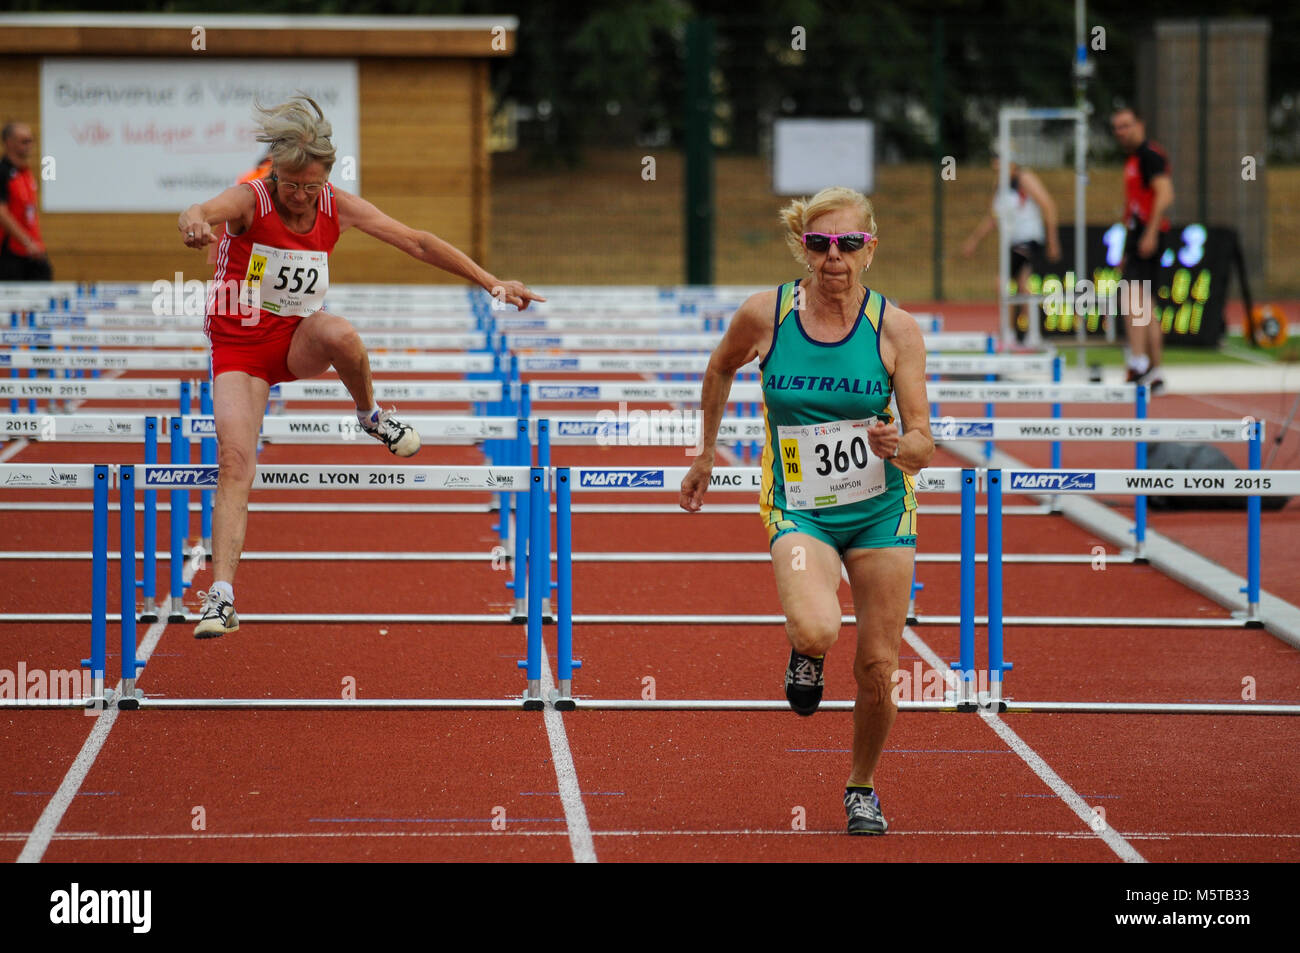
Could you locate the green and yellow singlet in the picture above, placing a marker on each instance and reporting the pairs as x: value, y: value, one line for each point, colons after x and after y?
x: 819, y: 475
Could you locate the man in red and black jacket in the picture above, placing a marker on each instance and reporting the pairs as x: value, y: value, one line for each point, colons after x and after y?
x: 1148, y: 194
x: 22, y: 256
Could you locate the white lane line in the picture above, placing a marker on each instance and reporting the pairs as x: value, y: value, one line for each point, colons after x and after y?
x: 835, y: 832
x: 1113, y: 840
x: 15, y: 448
x: 38, y: 841
x: 575, y: 812
x: 566, y: 774
x: 41, y: 835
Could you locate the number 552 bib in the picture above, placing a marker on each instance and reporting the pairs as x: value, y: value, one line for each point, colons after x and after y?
x: 287, y: 281
x: 827, y: 465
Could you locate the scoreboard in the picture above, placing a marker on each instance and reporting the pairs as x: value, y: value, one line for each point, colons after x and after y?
x: 1189, y: 292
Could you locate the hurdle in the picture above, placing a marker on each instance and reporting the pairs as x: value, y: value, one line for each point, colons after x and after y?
x: 1253, y: 484
x: 438, y: 479
x: 569, y: 480
x: 97, y: 479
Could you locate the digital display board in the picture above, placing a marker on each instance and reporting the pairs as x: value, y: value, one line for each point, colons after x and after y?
x: 1189, y: 291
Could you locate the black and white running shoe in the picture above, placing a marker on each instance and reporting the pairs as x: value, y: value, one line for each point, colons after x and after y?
x: 400, y: 438
x: 218, y: 617
x: 863, y: 808
x: 804, y: 682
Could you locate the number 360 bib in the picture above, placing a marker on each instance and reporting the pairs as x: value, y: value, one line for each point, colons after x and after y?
x: 288, y: 281
x: 828, y: 465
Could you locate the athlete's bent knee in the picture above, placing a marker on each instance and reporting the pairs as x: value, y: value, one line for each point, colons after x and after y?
x: 812, y: 636
x: 344, y: 343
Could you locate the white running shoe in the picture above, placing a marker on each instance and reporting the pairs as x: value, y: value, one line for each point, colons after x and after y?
x: 400, y: 438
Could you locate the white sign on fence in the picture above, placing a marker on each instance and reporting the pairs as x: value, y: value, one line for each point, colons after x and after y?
x: 158, y: 135
x: 810, y: 154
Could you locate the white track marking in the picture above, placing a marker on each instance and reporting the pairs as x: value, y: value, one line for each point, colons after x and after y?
x: 779, y: 832
x: 1114, y: 841
x: 575, y: 812
x: 1123, y: 849
x: 38, y: 841
x: 13, y: 449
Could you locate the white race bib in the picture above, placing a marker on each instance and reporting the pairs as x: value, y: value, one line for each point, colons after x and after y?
x: 827, y: 465
x: 286, y: 281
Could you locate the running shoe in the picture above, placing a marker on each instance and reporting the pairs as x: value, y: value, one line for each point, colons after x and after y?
x: 865, y: 816
x: 804, y: 682
x: 1132, y: 376
x: 217, y: 619
x: 400, y: 438
x: 1154, y: 381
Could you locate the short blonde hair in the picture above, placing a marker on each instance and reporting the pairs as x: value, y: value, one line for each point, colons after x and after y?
x: 800, y: 212
x: 296, y: 137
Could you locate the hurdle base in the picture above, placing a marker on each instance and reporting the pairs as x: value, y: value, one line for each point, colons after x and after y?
x: 129, y: 700
x: 533, y: 700
x: 992, y: 701
x: 562, y: 697
x: 520, y: 612
x: 176, y: 610
x: 1250, y: 618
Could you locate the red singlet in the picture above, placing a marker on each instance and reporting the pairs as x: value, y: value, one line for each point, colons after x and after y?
x: 259, y: 344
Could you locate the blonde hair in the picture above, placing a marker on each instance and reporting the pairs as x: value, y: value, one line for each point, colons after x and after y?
x: 800, y: 212
x: 296, y: 138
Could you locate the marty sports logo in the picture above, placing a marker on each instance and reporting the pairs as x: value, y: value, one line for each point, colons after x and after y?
x: 181, y: 476
x: 621, y: 479
x: 1053, y: 482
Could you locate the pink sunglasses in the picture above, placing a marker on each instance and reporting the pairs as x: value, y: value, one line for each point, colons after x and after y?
x: 848, y: 241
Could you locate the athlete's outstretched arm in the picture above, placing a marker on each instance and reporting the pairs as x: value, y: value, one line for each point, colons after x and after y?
x: 233, y: 206
x: 748, y: 329
x: 428, y: 248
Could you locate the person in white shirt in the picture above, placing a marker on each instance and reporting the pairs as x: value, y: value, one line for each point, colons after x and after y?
x: 1029, y: 217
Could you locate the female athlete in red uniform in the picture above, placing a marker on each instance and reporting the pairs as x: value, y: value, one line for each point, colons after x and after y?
x: 275, y: 259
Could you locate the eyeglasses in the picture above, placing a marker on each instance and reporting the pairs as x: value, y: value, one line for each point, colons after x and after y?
x: 311, y: 191
x: 848, y: 241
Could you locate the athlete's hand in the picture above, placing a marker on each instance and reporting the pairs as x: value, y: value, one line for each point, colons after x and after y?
x: 196, y: 234
x: 883, y: 439
x: 695, y: 483
x: 1147, y: 244
x: 513, y: 292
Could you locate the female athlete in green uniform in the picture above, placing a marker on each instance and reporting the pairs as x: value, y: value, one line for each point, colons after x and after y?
x: 837, y: 473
